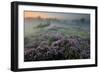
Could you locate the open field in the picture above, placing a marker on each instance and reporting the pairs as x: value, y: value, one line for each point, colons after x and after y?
x: 56, y: 39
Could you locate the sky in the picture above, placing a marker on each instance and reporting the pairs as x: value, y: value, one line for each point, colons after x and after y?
x: 67, y: 16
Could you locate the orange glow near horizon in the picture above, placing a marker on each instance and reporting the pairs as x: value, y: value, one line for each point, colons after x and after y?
x: 29, y: 14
